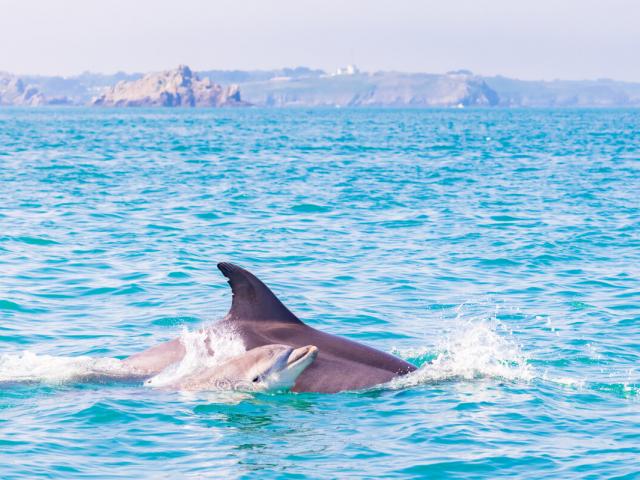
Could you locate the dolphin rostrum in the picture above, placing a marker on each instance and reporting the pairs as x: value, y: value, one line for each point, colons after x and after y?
x: 260, y: 318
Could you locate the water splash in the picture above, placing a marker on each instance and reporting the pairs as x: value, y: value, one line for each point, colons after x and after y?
x: 474, y: 349
x: 31, y: 367
x: 204, y: 348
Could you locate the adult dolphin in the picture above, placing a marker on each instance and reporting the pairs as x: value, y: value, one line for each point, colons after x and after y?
x: 260, y: 318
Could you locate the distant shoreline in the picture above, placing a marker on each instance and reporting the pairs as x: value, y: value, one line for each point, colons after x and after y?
x: 302, y: 87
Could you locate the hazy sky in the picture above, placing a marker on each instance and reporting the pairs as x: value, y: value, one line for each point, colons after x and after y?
x: 569, y: 39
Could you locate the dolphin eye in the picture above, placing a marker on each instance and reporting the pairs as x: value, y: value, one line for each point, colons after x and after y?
x: 255, y: 380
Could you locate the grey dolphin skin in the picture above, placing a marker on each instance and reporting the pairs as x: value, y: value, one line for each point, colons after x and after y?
x: 260, y: 318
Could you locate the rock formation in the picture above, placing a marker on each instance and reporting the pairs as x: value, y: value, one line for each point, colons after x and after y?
x: 13, y: 91
x: 173, y: 88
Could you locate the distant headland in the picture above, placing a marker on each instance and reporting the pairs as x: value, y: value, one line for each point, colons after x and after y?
x: 174, y: 88
x: 305, y: 87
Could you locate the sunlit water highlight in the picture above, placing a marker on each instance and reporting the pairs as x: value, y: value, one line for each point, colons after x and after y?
x: 497, y: 250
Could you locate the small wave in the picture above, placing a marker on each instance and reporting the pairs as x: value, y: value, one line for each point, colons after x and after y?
x: 624, y: 388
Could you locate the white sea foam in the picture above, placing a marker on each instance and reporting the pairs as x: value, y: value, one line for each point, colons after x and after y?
x: 30, y: 367
x: 474, y: 349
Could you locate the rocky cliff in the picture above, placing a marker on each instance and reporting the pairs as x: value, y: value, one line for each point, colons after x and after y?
x: 13, y: 91
x: 173, y: 88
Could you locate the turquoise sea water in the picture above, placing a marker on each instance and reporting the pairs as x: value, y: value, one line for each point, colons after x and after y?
x: 499, y: 250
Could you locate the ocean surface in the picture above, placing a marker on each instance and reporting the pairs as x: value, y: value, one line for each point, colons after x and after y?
x: 498, y: 250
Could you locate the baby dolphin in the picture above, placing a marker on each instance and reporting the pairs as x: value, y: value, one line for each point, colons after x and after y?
x: 266, y: 368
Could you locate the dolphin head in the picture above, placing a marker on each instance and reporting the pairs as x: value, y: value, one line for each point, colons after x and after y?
x: 275, y: 367
x: 266, y: 368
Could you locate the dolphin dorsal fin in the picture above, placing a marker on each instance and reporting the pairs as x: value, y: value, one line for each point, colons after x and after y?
x: 252, y: 299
